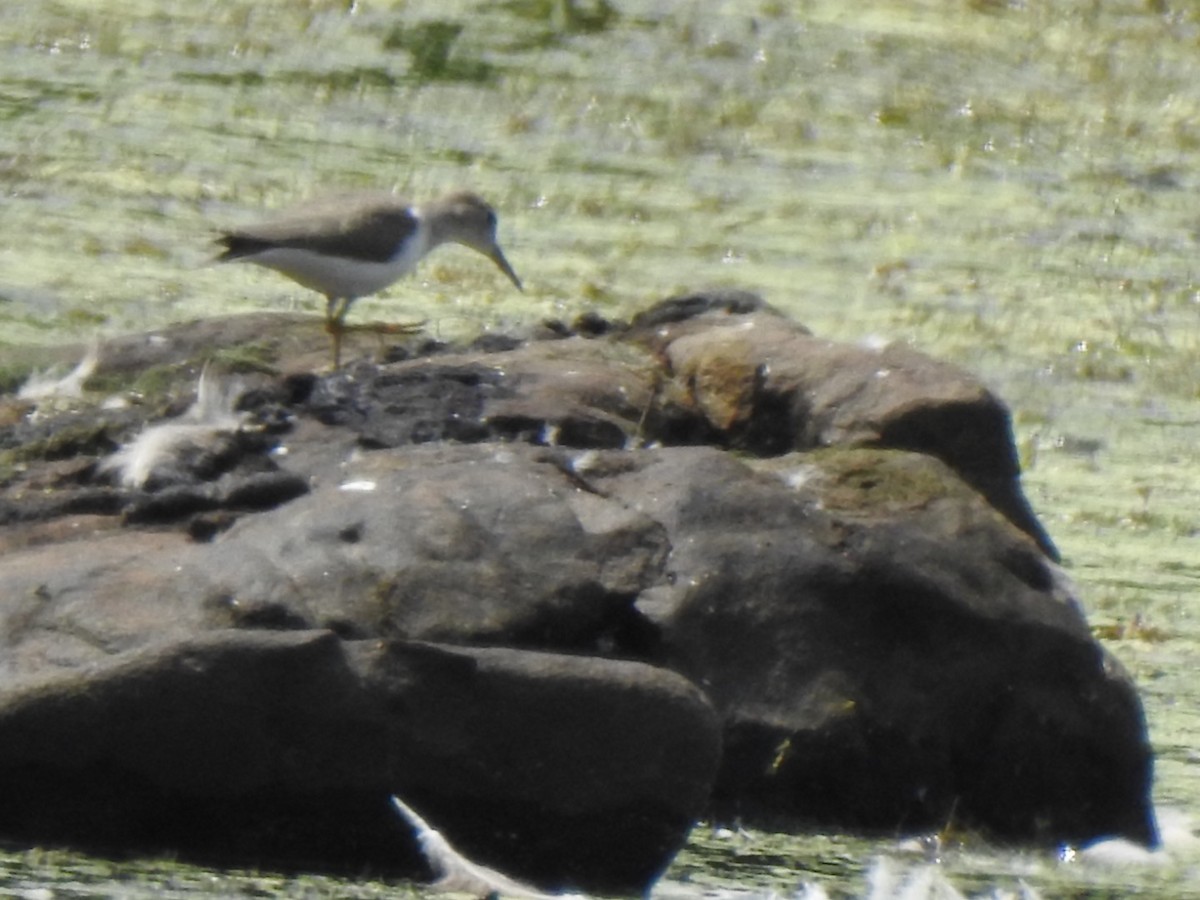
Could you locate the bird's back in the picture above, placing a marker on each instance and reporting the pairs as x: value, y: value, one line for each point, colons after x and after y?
x: 369, y: 229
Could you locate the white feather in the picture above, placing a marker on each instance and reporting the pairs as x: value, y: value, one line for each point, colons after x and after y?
x: 458, y: 874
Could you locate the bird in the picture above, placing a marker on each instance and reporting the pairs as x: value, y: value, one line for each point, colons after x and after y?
x: 350, y: 247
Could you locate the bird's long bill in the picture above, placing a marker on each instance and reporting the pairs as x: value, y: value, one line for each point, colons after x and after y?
x: 496, y: 256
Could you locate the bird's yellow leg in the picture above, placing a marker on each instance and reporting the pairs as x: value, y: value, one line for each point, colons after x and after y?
x: 335, y: 315
x: 335, y: 325
x: 389, y: 327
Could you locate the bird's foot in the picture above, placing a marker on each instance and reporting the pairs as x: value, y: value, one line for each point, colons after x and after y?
x: 387, y: 327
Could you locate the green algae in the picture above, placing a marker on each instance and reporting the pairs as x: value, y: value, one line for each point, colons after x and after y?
x: 870, y: 481
x: 153, y: 384
x: 79, y: 875
x: 256, y: 356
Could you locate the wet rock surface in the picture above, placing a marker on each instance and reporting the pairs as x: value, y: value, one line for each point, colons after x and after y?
x: 563, y: 594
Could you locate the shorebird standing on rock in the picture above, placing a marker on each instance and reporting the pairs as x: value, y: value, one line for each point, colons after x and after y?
x: 349, y: 248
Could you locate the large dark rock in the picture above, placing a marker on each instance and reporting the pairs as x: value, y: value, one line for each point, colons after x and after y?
x: 885, y: 650
x: 261, y: 745
x: 285, y: 620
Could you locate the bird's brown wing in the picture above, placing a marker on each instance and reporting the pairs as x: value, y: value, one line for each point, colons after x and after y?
x: 369, y: 232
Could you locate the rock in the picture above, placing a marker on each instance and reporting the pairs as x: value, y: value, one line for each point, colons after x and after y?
x: 495, y: 581
x: 495, y: 544
x: 886, y: 650
x: 766, y: 388
x: 260, y: 745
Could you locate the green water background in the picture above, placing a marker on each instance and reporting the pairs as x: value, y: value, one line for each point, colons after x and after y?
x: 1008, y: 185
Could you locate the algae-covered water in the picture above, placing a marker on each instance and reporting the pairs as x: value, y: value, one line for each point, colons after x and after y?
x: 1009, y: 185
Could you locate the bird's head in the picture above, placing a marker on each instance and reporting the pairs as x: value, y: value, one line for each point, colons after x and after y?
x: 466, y: 219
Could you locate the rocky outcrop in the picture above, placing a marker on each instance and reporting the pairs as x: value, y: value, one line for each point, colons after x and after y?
x: 278, y: 745
x: 563, y: 596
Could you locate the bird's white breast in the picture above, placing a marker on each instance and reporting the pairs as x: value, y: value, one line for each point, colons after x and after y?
x: 344, y: 277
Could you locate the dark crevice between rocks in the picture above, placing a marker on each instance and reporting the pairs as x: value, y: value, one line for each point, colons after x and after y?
x: 419, y: 350
x: 575, y: 432
x: 772, y: 427
x: 248, y: 493
x: 731, y: 301
x: 672, y: 425
x: 413, y: 406
x: 619, y: 631
x: 225, y: 611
